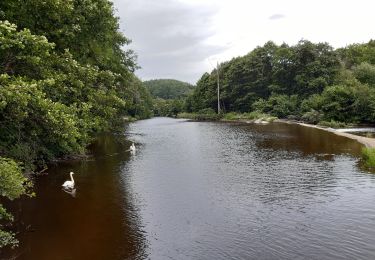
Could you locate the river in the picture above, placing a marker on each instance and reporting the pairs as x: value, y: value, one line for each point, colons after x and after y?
x: 205, y: 190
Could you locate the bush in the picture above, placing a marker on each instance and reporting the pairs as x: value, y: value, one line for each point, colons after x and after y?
x: 249, y: 116
x: 368, y: 155
x: 12, y: 185
x: 200, y: 117
x: 333, y: 124
x: 312, y: 117
x: 206, y: 111
x: 278, y: 105
x: 365, y: 73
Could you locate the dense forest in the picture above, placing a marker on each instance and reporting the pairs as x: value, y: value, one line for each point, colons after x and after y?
x: 168, y: 95
x: 64, y: 77
x: 307, y: 81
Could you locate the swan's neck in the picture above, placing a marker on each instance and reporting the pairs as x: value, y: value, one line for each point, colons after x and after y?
x: 71, y: 177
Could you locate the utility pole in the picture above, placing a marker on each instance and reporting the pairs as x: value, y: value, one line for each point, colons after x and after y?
x: 218, y: 88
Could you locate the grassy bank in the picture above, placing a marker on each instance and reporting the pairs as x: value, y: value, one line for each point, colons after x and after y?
x: 249, y: 116
x: 201, y: 116
x: 368, y: 156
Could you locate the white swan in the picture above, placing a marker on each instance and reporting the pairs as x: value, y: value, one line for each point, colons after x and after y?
x: 69, y: 184
x: 132, y: 148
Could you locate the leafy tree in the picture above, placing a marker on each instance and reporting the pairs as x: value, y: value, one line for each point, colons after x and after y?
x: 348, y: 103
x: 356, y: 54
x: 13, y: 185
x: 278, y: 105
x: 303, y: 70
x: 168, y: 88
x: 64, y: 77
x: 88, y: 28
x: 365, y: 73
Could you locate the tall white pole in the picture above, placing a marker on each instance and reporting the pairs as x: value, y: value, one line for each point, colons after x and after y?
x: 218, y: 88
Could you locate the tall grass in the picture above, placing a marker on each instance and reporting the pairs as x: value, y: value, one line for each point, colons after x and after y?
x: 249, y: 116
x: 368, y: 155
x: 333, y: 124
x: 200, y: 116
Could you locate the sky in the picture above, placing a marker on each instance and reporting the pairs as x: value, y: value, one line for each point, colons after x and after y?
x: 182, y: 39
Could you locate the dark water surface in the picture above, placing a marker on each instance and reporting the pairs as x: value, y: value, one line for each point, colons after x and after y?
x: 206, y: 191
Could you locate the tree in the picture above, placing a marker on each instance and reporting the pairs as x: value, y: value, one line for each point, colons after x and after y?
x: 12, y: 185
x: 365, y: 73
x: 168, y: 88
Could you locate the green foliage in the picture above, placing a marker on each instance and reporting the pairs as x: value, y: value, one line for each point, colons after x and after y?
x: 356, y: 54
x: 52, y: 105
x: 312, y: 117
x: 365, y: 73
x: 268, y: 71
x: 88, y: 28
x: 368, y: 155
x: 64, y: 77
x: 350, y: 104
x: 249, y: 116
x: 307, y: 81
x: 168, y: 88
x: 12, y: 185
x: 207, y: 114
x: 333, y: 124
x: 278, y: 105
x: 170, y: 108
x: 139, y: 99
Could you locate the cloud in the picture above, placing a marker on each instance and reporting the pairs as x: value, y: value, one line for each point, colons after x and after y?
x: 170, y: 37
x: 276, y: 17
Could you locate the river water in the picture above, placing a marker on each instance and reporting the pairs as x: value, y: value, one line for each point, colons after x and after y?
x: 205, y: 190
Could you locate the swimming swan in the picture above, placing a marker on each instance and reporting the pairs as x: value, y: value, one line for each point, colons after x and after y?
x: 132, y: 148
x: 69, y: 184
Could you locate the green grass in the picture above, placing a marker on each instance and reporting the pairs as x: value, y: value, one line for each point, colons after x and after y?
x: 368, y: 155
x: 249, y: 116
x: 200, y: 116
x: 232, y: 116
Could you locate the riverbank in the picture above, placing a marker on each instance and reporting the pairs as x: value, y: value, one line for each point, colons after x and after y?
x: 260, y: 118
x: 366, y: 141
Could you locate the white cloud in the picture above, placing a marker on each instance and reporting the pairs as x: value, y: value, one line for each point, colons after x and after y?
x: 176, y: 38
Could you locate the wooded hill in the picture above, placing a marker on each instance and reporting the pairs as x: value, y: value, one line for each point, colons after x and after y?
x: 168, y: 95
x: 168, y: 88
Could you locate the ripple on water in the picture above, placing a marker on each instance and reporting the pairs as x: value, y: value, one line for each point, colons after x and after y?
x: 223, y: 191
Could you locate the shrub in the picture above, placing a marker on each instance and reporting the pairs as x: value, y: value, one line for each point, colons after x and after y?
x: 333, y: 124
x: 12, y: 185
x: 365, y: 73
x: 312, y: 117
x: 368, y: 155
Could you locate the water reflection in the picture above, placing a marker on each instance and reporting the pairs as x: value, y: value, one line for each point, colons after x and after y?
x: 241, y: 191
x: 96, y: 221
x: 72, y: 192
x: 206, y: 191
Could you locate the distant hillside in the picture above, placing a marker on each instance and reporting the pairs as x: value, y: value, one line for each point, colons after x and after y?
x: 168, y: 88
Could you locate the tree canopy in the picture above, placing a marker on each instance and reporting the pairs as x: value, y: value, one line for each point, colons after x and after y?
x: 64, y: 77
x: 168, y: 88
x: 309, y: 81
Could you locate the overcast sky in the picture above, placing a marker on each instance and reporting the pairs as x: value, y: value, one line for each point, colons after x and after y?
x: 182, y: 39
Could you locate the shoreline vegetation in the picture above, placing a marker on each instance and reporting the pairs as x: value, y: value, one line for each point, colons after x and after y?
x: 66, y: 76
